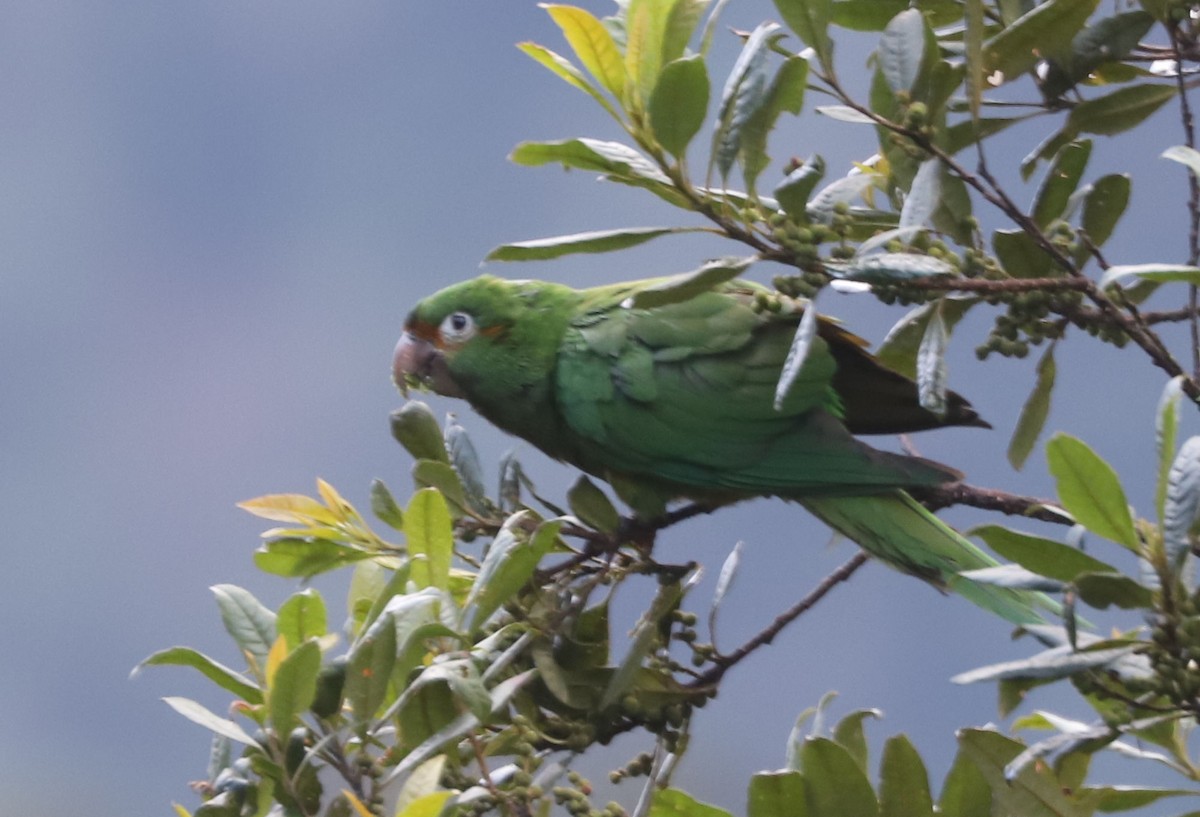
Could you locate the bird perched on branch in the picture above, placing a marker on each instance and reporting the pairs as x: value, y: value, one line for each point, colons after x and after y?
x: 669, y: 398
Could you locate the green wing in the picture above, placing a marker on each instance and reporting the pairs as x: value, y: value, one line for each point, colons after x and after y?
x: 683, y: 394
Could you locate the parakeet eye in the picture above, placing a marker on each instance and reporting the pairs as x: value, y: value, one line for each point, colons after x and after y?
x: 457, y: 327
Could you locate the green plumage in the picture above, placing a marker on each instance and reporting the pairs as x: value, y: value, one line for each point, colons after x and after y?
x: 677, y: 401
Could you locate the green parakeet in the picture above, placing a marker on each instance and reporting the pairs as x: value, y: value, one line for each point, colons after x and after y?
x: 677, y: 401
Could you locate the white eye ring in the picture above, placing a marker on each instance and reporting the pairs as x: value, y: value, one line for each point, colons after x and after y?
x: 457, y: 327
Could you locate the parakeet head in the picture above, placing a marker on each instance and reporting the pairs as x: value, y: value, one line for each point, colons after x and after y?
x: 481, y: 338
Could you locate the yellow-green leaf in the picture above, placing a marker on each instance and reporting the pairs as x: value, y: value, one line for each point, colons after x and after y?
x: 592, y: 44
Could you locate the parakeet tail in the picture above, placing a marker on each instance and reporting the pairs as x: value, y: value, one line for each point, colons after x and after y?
x: 897, y: 530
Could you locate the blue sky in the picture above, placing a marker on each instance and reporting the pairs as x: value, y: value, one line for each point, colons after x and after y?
x: 213, y: 218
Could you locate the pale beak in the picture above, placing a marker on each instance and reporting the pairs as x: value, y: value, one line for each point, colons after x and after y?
x: 419, y: 362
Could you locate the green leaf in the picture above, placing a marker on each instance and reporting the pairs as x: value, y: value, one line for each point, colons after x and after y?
x: 965, y: 792
x: 1020, y: 254
x: 430, y: 539
x: 1013, y: 577
x: 901, y: 50
x: 1016, y: 49
x: 593, y: 46
x: 687, y: 285
x: 293, y: 686
x: 1057, y: 662
x: 593, y: 506
x: 888, y: 267
x: 899, y: 349
x: 1120, y: 110
x: 1107, y: 41
x: 931, y: 365
x: 1166, y: 430
x: 442, y: 477
x: 298, y: 558
x: 675, y: 803
x: 848, y: 733
x: 427, y: 805
x: 595, y: 241
x: 224, y: 677
x: 415, y: 428
x: 1104, y: 206
x: 809, y: 19
x: 1182, y: 504
x: 369, y: 671
x: 1103, y: 589
x: 679, y: 102
x: 251, y: 625
x: 785, y: 94
x: 1089, y: 490
x: 618, y: 163
x: 682, y: 20
x: 196, y: 713
x: 1034, y: 412
x: 465, y: 461
x: 641, y: 641
x: 1160, y: 273
x: 384, y: 505
x: 903, y: 781
x: 1060, y: 182
x: 792, y: 193
x: 924, y: 196
x: 973, y: 61
x: 746, y: 90
x: 511, y: 560
x: 793, y: 364
x: 645, y: 26
x: 301, y: 617
x: 1034, y: 793
x: 563, y: 68
x: 1042, y: 556
x: 777, y: 794
x: 835, y: 785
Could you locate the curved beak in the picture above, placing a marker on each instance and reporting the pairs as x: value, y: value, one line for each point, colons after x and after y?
x: 417, y: 362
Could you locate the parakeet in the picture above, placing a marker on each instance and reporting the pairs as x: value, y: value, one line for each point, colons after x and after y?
x: 677, y: 401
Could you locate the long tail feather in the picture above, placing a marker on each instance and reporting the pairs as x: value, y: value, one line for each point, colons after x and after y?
x: 897, y: 530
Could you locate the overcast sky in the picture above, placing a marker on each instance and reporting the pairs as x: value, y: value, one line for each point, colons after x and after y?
x: 213, y: 218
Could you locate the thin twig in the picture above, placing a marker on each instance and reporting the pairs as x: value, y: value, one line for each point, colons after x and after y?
x: 766, y: 636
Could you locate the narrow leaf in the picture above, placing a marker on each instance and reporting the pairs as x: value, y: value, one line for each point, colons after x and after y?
x: 925, y: 194
x: 797, y: 354
x: 218, y: 673
x: 744, y: 93
x: 1059, y: 662
x: 1103, y: 207
x: 1152, y: 272
x: 1166, y: 430
x: 1034, y: 412
x: 1182, y: 502
x: 1044, y: 557
x: 596, y: 241
x: 196, y: 713
x: 686, y: 285
x: 1014, y: 577
x: 792, y: 193
x: 563, y: 68
x: 931, y: 365
x: 369, y: 670
x: 593, y: 506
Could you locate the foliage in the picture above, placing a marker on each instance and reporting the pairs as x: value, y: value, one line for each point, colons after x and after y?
x: 478, y: 659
